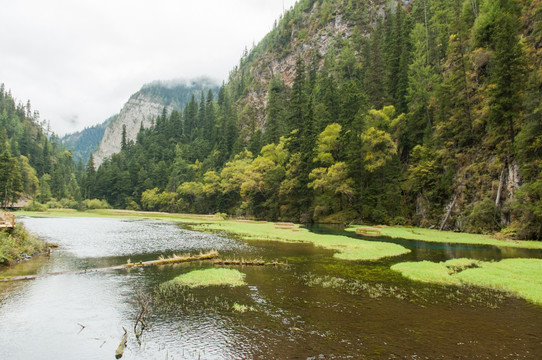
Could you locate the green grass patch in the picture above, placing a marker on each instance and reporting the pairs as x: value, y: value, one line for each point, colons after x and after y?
x: 209, y: 277
x: 18, y: 242
x: 426, y: 271
x: 432, y: 235
x: 346, y: 248
x: 518, y: 277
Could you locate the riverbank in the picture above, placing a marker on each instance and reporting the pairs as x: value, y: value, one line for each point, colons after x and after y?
x: 19, y: 245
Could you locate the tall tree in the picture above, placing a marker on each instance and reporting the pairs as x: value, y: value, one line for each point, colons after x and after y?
x: 10, y: 179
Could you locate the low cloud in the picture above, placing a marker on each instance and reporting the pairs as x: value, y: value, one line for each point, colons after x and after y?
x: 87, y: 57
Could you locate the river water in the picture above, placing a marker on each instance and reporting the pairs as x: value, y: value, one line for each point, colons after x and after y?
x: 317, y: 307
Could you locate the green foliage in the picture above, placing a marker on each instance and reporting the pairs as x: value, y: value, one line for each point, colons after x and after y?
x: 528, y: 210
x: 152, y: 200
x: 378, y: 148
x: 483, y: 217
x: 328, y: 144
x: 35, y: 206
x: 18, y: 242
x: 94, y: 204
x: 10, y: 179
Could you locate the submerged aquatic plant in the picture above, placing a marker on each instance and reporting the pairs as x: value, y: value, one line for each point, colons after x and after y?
x: 466, y: 295
x: 242, y: 308
x: 354, y: 286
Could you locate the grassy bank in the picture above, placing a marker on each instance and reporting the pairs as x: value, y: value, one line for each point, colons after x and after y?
x: 518, y: 277
x: 13, y: 245
x: 431, y: 235
x: 345, y: 248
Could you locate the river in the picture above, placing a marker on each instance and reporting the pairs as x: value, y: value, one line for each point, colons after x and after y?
x: 317, y: 307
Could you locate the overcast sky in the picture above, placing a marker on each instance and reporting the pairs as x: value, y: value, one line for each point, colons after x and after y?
x: 78, y: 61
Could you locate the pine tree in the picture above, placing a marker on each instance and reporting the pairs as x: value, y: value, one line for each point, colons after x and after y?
x: 507, y: 75
x: 274, y: 111
x: 10, y: 179
x: 421, y: 83
x: 375, y: 69
x: 297, y: 110
x: 209, y: 129
x: 123, y: 143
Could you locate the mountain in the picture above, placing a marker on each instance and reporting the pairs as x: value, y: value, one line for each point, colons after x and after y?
x: 143, y: 107
x: 83, y: 143
x: 417, y: 112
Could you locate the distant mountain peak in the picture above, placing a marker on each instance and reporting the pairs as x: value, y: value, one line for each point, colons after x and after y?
x: 145, y: 105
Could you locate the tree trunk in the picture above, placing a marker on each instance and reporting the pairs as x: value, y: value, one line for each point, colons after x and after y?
x: 501, y: 184
x: 448, y: 213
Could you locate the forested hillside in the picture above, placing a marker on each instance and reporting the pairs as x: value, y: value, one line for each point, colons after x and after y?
x: 32, y: 161
x: 424, y: 112
x: 83, y: 143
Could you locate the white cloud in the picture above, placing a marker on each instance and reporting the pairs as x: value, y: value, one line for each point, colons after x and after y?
x: 78, y: 61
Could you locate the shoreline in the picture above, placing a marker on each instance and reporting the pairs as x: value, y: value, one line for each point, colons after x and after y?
x: 19, y: 245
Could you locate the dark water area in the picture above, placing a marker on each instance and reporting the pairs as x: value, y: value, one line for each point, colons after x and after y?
x: 317, y: 307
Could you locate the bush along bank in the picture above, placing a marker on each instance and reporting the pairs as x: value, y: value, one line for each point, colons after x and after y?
x: 18, y: 244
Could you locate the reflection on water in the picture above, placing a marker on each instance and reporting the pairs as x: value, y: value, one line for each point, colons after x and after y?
x: 318, y: 306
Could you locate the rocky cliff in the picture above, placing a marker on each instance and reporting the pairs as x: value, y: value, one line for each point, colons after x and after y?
x: 312, y: 31
x: 144, y: 106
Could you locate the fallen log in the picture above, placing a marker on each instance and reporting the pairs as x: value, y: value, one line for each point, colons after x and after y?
x: 242, y: 262
x: 368, y: 231
x: 175, y: 259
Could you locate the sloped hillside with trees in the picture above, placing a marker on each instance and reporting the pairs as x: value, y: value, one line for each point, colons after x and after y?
x: 33, y: 164
x: 424, y: 112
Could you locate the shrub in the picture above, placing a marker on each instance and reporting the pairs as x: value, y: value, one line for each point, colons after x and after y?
x: 484, y: 217
x: 35, y: 206
x: 94, y: 204
x: 132, y: 205
x: 68, y: 203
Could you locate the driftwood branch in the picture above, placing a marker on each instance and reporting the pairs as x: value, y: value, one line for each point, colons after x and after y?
x: 448, y: 214
x: 144, y: 302
x: 122, y: 345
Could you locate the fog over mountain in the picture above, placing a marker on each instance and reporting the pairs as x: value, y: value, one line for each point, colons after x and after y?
x: 78, y: 61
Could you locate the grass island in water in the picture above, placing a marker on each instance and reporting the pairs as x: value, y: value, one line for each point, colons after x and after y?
x: 519, y: 277
x: 209, y: 277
